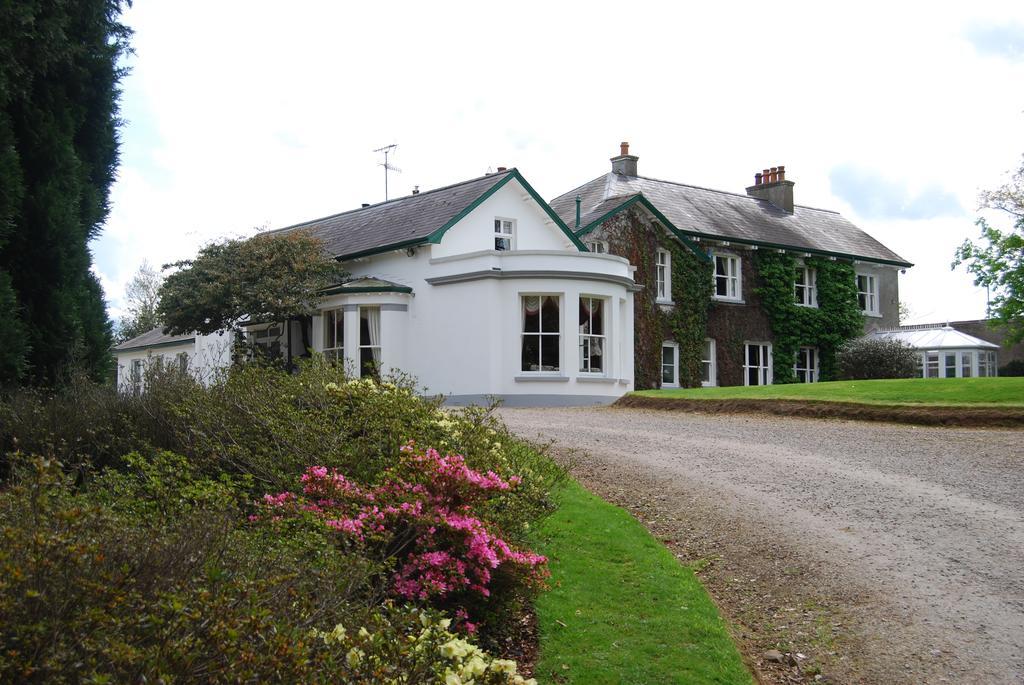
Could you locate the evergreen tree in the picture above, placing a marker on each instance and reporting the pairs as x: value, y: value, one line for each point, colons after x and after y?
x: 58, y: 154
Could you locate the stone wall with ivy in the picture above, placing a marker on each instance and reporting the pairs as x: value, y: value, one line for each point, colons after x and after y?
x: 836, y: 319
x: 633, y: 235
x: 732, y: 324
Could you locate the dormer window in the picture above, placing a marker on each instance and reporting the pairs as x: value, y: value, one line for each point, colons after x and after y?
x: 504, y: 234
x: 597, y: 246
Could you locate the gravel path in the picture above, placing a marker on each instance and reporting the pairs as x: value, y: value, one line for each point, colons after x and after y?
x: 865, y: 552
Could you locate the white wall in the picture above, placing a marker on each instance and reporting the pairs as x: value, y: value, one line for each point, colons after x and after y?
x: 207, y: 355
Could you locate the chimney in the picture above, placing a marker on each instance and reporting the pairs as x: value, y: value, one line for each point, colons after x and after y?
x: 365, y: 204
x: 771, y: 184
x: 415, y: 190
x: 502, y: 169
x: 625, y: 163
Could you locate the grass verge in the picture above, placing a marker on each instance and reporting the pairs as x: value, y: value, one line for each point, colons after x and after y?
x: 621, y: 609
x: 948, y: 392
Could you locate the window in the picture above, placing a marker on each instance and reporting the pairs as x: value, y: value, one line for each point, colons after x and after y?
x: 669, y: 365
x: 597, y: 246
x: 867, y: 293
x: 369, y: 342
x: 986, y: 363
x: 592, y: 339
x: 806, y: 287
x: 183, y: 362
x: 708, y: 367
x: 966, y: 359
x: 663, y: 275
x: 266, y: 343
x: 950, y: 358
x: 727, y: 278
x: 504, y: 234
x: 334, y: 334
x: 757, y: 364
x: 136, y: 375
x: 806, y: 367
x: 542, y: 339
x: 992, y: 364
x: 931, y: 365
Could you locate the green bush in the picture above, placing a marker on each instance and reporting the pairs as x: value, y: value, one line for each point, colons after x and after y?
x: 154, y: 574
x: 868, y: 358
x: 1012, y: 368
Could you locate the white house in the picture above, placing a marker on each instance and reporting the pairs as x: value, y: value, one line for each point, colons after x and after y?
x: 199, y: 355
x: 477, y: 289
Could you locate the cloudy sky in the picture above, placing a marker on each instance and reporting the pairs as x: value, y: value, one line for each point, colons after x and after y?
x: 242, y: 115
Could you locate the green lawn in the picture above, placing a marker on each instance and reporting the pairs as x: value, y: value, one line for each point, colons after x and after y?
x: 910, y: 391
x: 621, y: 609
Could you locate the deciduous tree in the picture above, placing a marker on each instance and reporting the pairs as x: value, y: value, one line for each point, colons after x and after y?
x: 142, y: 295
x: 997, y: 260
x: 271, y: 277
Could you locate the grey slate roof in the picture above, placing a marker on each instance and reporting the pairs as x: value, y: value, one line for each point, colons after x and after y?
x: 154, y: 337
x: 399, y: 222
x: 726, y: 216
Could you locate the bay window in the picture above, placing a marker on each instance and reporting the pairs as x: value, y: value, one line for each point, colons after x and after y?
x: 592, y: 337
x: 334, y: 334
x: 541, y: 333
x: 369, y: 341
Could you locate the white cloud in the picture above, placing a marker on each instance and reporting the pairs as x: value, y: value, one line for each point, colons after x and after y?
x: 250, y: 113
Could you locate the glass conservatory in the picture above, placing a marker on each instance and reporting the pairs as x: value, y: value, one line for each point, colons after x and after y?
x: 944, y: 352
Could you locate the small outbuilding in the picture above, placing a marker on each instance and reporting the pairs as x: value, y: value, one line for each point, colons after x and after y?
x: 944, y: 352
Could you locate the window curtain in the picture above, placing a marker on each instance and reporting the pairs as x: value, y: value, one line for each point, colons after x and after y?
x: 373, y: 326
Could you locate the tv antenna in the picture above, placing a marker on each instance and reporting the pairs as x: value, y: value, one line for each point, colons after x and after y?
x: 387, y: 149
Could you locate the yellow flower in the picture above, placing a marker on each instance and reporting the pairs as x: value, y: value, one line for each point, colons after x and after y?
x: 504, y: 666
x: 354, y: 657
x: 452, y: 679
x: 444, y: 623
x: 364, y: 633
x: 474, y: 667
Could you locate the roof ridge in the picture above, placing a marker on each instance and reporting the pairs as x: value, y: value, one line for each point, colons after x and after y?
x: 729, y: 192
x: 387, y: 202
x: 577, y: 188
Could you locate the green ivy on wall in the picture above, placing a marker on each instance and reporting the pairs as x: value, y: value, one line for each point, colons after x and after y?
x: 836, y: 319
x: 629, y: 235
x: 686, y: 322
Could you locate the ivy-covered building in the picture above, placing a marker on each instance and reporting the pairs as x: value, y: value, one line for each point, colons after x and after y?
x: 740, y: 289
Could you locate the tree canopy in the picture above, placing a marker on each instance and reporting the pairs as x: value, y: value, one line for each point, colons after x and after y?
x: 270, y: 277
x: 997, y: 260
x: 142, y: 295
x: 59, y: 77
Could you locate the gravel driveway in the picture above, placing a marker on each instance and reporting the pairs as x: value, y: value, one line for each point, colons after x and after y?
x: 864, y: 552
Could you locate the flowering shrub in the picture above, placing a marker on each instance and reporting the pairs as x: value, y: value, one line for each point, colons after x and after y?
x: 423, y: 517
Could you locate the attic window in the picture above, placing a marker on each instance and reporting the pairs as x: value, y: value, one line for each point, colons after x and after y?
x: 504, y: 234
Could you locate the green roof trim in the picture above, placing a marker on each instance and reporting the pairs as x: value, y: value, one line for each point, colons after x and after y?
x: 644, y: 202
x: 338, y: 289
x: 436, y: 236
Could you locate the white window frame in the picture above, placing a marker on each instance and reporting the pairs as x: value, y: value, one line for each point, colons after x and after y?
x: 810, y: 372
x: 182, y: 360
x: 764, y: 370
x: 505, y: 231
x: 733, y: 277
x: 675, y: 364
x: 331, y: 318
x: 711, y: 362
x: 587, y: 341
x: 870, y: 294
x: 597, y: 246
x: 370, y: 346
x: 540, y: 332
x: 806, y: 293
x: 137, y: 370
x: 663, y: 276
